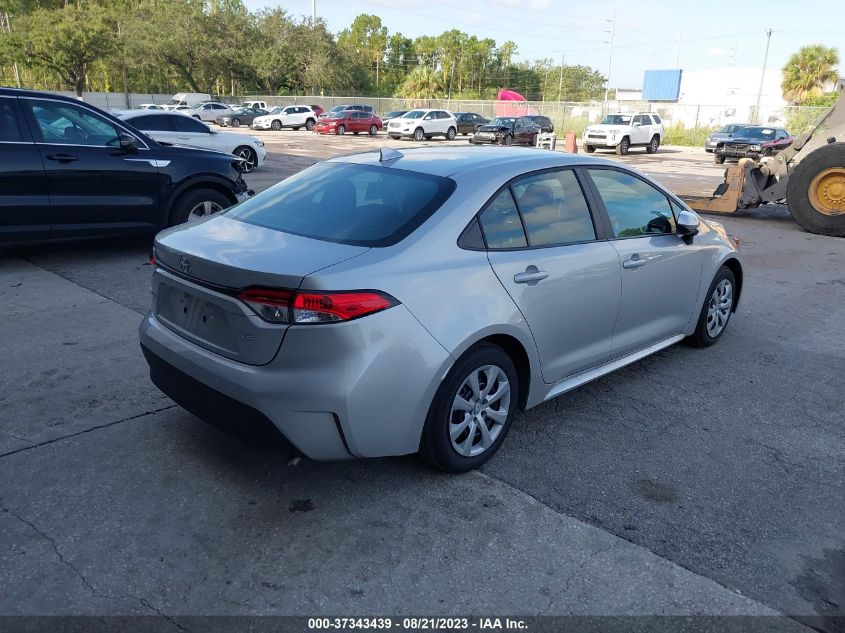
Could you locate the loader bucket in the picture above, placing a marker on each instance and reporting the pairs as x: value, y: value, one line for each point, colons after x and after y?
x: 738, y: 191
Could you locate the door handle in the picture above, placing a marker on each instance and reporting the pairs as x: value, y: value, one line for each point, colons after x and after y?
x: 183, y: 138
x: 530, y: 275
x: 634, y: 262
x: 62, y: 158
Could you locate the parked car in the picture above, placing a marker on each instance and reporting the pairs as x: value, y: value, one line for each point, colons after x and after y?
x: 72, y: 170
x: 420, y: 124
x: 393, y: 114
x: 545, y: 123
x: 318, y: 110
x: 622, y: 131
x: 255, y: 105
x: 287, y: 116
x: 209, y: 111
x: 171, y: 129
x: 239, y: 117
x: 547, y: 288
x: 507, y: 130
x: 355, y: 121
x: 189, y: 99
x: 468, y: 122
x: 726, y: 131
x: 752, y: 141
x: 341, y: 108
x: 148, y: 106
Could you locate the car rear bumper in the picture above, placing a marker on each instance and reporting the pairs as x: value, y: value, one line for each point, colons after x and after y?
x: 337, y: 391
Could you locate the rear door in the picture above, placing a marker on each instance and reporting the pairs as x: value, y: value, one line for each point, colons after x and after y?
x: 661, y: 273
x: 640, y: 126
x: 194, y: 133
x: 24, y: 203
x: 93, y: 184
x: 553, y: 261
x: 157, y: 126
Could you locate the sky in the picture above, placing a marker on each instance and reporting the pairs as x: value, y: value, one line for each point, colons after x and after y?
x: 712, y: 33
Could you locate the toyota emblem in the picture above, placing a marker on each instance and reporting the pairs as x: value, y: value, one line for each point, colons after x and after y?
x: 185, y: 265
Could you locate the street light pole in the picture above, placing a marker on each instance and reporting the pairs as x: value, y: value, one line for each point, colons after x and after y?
x: 610, y: 56
x: 314, y: 10
x: 762, y: 77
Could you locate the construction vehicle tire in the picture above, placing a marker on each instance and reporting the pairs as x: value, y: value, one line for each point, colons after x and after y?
x: 815, y: 192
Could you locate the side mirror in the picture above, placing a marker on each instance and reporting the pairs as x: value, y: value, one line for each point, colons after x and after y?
x: 637, y: 124
x: 128, y: 143
x: 688, y: 225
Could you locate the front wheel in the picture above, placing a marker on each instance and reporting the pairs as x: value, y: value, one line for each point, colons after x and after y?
x: 815, y: 191
x: 197, y: 204
x: 419, y: 134
x: 623, y: 147
x: 717, y: 309
x: 250, y: 158
x: 373, y: 129
x: 276, y: 125
x: 589, y: 149
x: 507, y: 140
x: 341, y: 130
x: 472, y: 410
x: 451, y: 133
x: 719, y: 159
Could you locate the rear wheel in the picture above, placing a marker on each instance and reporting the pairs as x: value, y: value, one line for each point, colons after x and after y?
x: 309, y: 124
x: 451, y: 133
x: 276, y: 125
x: 623, y: 147
x: 341, y: 129
x: 815, y: 192
x: 589, y: 148
x: 507, y: 140
x: 250, y: 158
x: 419, y: 134
x: 373, y: 129
x: 472, y: 410
x: 197, y: 204
x: 653, y: 144
x: 717, y: 309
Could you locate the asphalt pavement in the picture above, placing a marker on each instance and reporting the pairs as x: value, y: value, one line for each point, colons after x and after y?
x: 693, y: 482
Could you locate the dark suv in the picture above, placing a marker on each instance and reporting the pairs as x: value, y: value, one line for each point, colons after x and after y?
x: 68, y: 169
x: 545, y: 123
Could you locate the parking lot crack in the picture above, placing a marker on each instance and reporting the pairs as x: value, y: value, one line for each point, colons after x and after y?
x: 160, y: 613
x: 88, y: 430
x: 574, y: 574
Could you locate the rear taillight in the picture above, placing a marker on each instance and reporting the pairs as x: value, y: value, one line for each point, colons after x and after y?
x: 285, y: 306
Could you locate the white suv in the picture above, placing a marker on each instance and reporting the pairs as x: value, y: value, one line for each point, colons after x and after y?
x: 420, y: 124
x: 623, y: 131
x: 288, y: 116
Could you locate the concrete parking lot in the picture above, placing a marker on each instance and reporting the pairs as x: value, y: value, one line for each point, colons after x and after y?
x: 693, y: 482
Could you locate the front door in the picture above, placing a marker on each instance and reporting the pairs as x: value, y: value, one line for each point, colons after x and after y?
x: 661, y: 273
x: 545, y: 250
x: 24, y: 203
x: 93, y: 184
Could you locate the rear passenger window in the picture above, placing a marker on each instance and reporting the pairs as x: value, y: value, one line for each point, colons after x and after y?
x: 10, y: 131
x: 501, y: 224
x: 656, y: 119
x: 635, y: 207
x: 554, y: 209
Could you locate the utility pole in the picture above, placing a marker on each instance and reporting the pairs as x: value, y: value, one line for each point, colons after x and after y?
x: 678, y: 48
x: 451, y: 76
x: 123, y: 68
x: 762, y: 77
x: 314, y: 11
x: 610, y: 56
x: 560, y: 80
x: 6, y: 26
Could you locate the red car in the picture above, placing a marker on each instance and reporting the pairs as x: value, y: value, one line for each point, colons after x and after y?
x: 354, y: 121
x: 317, y: 109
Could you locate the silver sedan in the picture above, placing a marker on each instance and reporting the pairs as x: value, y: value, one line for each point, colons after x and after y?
x: 387, y: 303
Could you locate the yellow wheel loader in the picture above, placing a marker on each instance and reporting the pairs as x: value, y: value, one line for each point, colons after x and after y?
x: 809, y: 176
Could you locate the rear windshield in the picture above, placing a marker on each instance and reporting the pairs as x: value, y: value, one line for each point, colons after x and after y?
x: 361, y: 205
x: 729, y: 129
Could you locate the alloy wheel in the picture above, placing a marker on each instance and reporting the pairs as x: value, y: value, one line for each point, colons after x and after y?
x: 250, y: 160
x: 719, y: 308
x: 203, y: 210
x: 479, y: 410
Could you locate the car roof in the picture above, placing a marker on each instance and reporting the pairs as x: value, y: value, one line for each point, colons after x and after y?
x: 450, y: 161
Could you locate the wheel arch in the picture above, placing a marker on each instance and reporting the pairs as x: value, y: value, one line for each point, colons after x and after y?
x: 733, y: 264
x: 207, y: 182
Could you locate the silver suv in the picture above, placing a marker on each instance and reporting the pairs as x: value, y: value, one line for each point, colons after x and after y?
x: 623, y: 131
x: 387, y: 303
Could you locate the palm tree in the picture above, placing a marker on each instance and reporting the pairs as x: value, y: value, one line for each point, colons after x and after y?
x: 421, y: 83
x: 807, y: 72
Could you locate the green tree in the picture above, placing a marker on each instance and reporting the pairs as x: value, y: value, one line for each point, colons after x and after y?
x: 66, y: 41
x: 807, y: 72
x: 367, y: 39
x: 422, y: 83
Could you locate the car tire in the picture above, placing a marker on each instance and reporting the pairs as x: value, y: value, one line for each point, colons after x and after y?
x: 373, y: 129
x: 197, y: 117
x: 623, y: 147
x: 296, y: 128
x: 394, y: 137
x: 341, y: 130
x: 276, y: 125
x: 508, y: 140
x: 419, y: 134
x: 309, y: 124
x: 708, y: 150
x: 235, y: 123
x: 198, y: 202
x: 589, y: 148
x: 533, y: 141
x: 463, y: 133
x: 717, y: 309
x: 653, y: 144
x: 451, y: 133
x: 437, y: 444
x: 250, y: 158
x: 719, y: 159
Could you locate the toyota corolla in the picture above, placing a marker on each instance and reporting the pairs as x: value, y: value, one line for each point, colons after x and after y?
x: 387, y: 303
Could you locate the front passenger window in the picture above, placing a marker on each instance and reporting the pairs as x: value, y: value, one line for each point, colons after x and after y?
x: 635, y: 207
x: 67, y: 124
